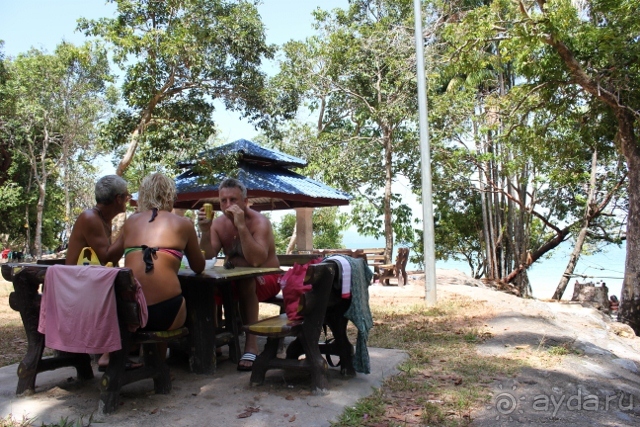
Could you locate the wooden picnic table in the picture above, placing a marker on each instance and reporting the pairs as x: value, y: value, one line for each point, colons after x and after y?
x: 199, y: 291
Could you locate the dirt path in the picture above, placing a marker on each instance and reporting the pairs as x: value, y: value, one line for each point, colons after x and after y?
x: 583, y: 366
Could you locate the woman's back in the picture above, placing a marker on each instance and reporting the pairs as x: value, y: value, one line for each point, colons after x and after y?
x: 166, y: 230
x: 154, y: 249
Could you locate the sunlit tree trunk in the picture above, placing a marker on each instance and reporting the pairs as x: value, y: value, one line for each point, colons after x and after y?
x: 388, y: 175
x: 489, y: 270
x: 577, y: 249
x: 292, y: 240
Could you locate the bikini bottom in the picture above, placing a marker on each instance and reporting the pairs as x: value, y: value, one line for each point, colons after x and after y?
x: 162, y: 314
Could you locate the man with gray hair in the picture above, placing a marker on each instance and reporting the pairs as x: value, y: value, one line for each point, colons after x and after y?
x: 93, y: 226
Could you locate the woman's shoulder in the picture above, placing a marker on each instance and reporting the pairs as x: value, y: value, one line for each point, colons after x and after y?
x: 134, y: 216
x: 183, y: 220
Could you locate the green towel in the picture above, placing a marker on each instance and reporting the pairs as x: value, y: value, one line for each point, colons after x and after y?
x: 359, y: 312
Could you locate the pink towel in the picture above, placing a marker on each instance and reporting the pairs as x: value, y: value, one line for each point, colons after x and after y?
x: 78, y: 309
x: 142, y: 303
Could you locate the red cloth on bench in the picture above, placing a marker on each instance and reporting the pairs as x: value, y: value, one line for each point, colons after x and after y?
x: 293, y: 287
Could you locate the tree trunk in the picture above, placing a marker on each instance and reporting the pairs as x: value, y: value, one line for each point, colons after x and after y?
x: 145, y: 118
x: 41, y: 182
x: 577, y: 249
x: 489, y: 267
x: 40, y: 209
x: 497, y: 209
x: 67, y: 200
x: 388, y: 175
x: 292, y: 241
x: 629, y: 311
x: 512, y: 222
x: 551, y: 244
x: 27, y: 245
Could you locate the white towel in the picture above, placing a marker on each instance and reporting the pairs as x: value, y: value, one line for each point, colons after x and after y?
x: 346, y: 274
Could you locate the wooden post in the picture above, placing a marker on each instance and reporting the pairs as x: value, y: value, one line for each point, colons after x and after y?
x: 304, y: 224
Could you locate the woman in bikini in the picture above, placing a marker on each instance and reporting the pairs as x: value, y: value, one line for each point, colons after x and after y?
x: 155, y: 240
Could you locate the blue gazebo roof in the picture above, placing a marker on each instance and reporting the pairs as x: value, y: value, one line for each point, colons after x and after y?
x: 270, y: 183
x: 252, y: 152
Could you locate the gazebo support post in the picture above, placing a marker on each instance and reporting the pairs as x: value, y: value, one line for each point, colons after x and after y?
x: 304, y: 225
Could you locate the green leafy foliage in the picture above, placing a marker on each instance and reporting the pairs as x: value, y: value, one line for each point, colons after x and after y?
x: 179, y: 57
x: 52, y: 104
x: 510, y: 123
x: 357, y: 75
x: 328, y: 224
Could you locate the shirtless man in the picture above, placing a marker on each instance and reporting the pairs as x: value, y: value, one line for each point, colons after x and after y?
x: 246, y: 237
x: 93, y: 226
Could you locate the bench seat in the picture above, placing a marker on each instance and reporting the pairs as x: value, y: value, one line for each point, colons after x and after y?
x: 26, y: 299
x: 313, y: 306
x: 277, y: 326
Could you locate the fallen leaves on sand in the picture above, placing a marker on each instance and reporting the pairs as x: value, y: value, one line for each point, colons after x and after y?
x: 248, y: 411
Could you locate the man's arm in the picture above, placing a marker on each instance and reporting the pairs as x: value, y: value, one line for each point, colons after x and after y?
x: 96, y: 238
x: 255, y: 246
x: 192, y: 250
x: 116, y: 250
x: 209, y: 241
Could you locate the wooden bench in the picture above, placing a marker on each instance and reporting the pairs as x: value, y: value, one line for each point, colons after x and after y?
x: 339, y: 344
x: 154, y: 366
x: 398, y: 270
x: 354, y: 253
x: 313, y: 307
x: 26, y: 299
x: 375, y: 256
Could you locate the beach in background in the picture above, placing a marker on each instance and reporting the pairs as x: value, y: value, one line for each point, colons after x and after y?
x: 544, y: 275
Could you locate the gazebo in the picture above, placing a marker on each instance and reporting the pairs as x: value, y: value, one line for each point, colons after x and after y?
x: 270, y: 182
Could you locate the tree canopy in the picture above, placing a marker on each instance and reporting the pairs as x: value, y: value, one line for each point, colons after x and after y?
x: 179, y: 57
x: 52, y: 105
x: 358, y: 76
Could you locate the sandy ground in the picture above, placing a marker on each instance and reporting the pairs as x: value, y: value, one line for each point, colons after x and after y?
x: 597, y: 384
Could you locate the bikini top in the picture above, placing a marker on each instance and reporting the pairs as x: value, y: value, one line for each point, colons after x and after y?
x: 149, y: 252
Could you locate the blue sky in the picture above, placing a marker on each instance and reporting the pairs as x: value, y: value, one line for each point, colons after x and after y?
x: 43, y: 24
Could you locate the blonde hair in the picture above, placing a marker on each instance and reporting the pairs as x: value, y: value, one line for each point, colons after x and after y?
x: 156, y: 191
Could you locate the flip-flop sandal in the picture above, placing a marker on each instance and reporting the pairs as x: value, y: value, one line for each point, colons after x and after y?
x: 247, y: 357
x: 128, y: 366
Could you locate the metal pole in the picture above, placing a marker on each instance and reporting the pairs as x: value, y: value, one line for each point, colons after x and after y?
x: 425, y: 155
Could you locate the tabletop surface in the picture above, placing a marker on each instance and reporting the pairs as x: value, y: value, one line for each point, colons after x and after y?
x: 215, y: 273
x: 219, y: 273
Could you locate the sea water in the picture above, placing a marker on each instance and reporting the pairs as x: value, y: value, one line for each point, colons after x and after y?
x: 544, y: 275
